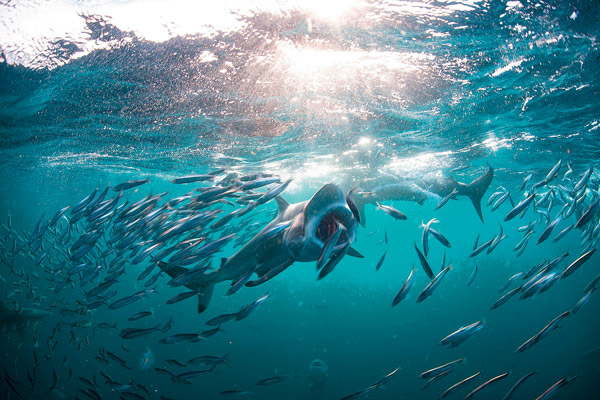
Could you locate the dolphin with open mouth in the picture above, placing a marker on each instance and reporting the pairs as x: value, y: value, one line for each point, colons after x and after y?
x: 306, y: 231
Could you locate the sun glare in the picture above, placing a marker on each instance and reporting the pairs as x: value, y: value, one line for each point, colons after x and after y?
x: 329, y: 10
x: 415, y: 165
x: 327, y: 65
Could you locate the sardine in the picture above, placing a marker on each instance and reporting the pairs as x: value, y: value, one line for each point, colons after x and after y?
x: 405, y: 288
x: 433, y: 284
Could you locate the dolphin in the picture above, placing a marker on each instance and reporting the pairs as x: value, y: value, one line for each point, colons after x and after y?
x: 308, y: 226
x: 19, y: 319
x: 422, y: 190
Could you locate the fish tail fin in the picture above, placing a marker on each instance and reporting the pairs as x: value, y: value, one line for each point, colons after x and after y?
x: 225, y: 359
x: 477, y: 188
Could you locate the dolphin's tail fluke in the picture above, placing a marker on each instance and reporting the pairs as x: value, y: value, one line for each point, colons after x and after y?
x: 203, y: 288
x: 476, y: 189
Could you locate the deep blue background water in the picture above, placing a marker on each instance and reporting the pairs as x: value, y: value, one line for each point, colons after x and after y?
x: 92, y: 94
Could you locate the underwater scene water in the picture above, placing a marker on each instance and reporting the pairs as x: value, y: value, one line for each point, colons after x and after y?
x: 353, y: 199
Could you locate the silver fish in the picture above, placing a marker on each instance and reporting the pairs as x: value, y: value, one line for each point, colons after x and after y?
x: 518, y: 385
x: 546, y: 234
x: 462, y: 334
x: 486, y: 384
x: 578, y: 263
x: 391, y: 211
x: 584, y: 180
x: 459, y: 385
x: 433, y: 284
x: 380, y: 262
x: 442, y: 368
x: 425, y: 235
x: 525, y: 182
x: 405, y: 288
x: 505, y: 298
x: 181, y: 296
x: 424, y: 262
x: 473, y: 275
x: 586, y: 297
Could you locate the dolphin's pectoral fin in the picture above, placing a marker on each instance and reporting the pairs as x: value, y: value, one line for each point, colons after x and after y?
x: 267, y: 264
x: 271, y: 273
x: 235, y: 286
x: 262, y: 269
x: 273, y: 255
x: 352, y: 252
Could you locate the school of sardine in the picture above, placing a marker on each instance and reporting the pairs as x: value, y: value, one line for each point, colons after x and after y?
x: 88, y: 246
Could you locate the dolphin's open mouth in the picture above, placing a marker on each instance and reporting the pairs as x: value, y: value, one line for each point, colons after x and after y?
x: 328, y: 226
x: 321, y: 220
x: 331, y: 222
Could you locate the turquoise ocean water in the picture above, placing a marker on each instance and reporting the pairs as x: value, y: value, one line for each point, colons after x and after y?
x: 358, y: 93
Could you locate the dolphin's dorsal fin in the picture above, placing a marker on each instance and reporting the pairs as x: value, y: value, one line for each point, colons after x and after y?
x: 282, y: 204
